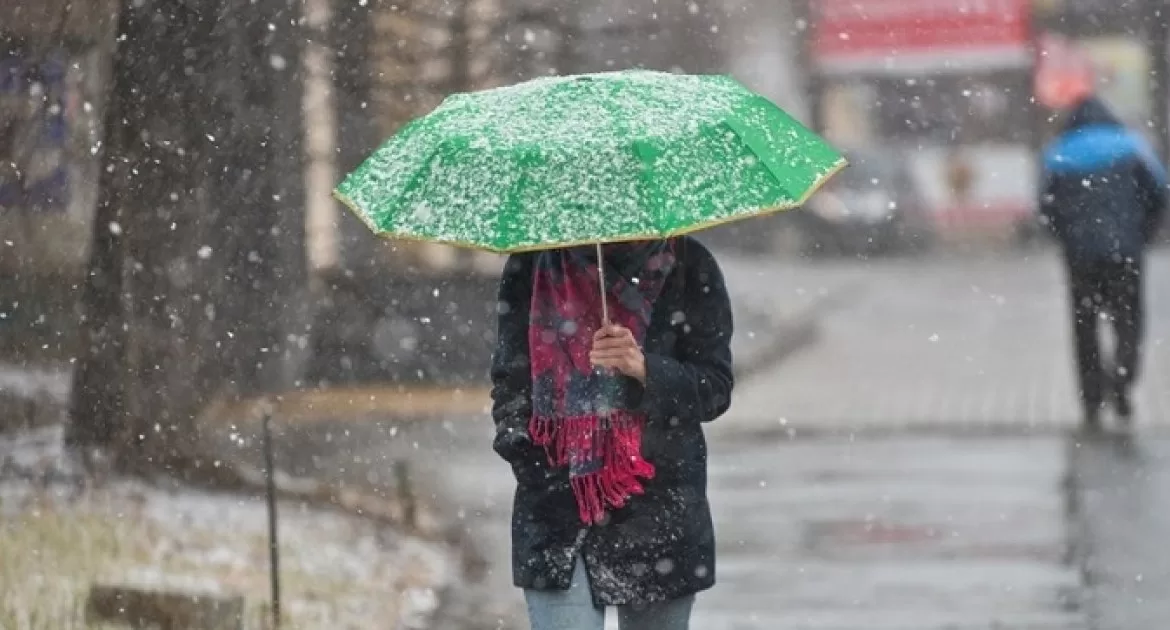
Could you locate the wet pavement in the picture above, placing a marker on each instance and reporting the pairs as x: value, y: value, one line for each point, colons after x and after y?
x: 1122, y: 515
x: 907, y: 533
x: 922, y: 525
x: 778, y: 309
x: 901, y: 532
x: 971, y: 343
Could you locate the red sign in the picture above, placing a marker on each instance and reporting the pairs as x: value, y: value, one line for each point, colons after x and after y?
x: 917, y: 35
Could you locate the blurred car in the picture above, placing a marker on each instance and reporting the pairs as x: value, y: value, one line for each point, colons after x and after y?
x: 871, y: 207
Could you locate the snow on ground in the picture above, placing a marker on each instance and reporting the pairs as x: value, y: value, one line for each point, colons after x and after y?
x: 57, y: 537
x: 33, y: 383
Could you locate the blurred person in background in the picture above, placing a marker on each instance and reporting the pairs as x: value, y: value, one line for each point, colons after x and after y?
x: 1102, y: 195
x: 602, y: 424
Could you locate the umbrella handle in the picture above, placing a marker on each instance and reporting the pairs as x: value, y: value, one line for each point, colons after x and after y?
x: 601, y: 281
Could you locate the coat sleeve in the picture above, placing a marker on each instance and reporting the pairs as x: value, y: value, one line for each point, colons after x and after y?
x: 510, y: 369
x: 1049, y: 215
x: 695, y: 383
x: 1049, y: 210
x: 1151, y: 180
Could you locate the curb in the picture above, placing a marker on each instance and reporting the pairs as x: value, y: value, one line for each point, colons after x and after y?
x: 793, y: 336
x: 357, y: 403
x: 798, y: 332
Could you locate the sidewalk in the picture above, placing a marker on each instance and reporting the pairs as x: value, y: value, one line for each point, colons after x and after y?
x: 898, y: 533
x: 1121, y: 514
x: 901, y: 533
x: 357, y: 436
x: 825, y: 525
x: 955, y: 345
x: 779, y: 305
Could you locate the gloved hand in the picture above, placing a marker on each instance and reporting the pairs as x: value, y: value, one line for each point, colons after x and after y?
x: 529, y: 461
x: 513, y: 442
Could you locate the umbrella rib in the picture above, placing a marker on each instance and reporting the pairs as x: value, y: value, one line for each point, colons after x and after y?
x: 760, y: 155
x: 647, y: 156
x: 642, y: 151
x: 509, y: 214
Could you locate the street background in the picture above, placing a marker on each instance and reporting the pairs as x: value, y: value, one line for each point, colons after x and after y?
x: 902, y: 452
x: 865, y: 478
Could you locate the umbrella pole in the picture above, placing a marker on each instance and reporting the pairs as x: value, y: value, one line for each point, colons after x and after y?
x: 601, y: 281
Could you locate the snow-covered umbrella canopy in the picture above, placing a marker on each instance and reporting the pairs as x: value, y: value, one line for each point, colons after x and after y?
x: 597, y: 158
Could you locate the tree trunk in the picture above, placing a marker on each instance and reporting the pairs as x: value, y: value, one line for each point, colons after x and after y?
x: 198, y: 258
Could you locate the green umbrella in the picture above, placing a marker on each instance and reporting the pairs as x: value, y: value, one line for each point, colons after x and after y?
x: 560, y: 161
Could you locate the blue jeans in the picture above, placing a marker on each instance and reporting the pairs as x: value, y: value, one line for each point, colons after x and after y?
x: 574, y: 610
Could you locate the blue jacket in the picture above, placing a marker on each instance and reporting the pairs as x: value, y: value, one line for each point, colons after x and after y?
x: 1104, y: 189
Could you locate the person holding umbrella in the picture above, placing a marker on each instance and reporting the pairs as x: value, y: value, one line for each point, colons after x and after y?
x: 614, y: 326
x: 602, y: 424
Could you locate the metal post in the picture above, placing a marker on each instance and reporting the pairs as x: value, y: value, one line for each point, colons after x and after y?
x: 273, y: 540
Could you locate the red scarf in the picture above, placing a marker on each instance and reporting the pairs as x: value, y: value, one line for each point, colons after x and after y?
x: 586, y: 418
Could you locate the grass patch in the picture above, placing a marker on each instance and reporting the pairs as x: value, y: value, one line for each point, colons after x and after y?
x: 336, y: 573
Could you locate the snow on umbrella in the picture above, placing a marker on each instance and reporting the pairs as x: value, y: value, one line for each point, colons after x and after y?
x: 599, y: 158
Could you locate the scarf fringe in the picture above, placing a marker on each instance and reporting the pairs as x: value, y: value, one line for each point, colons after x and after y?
x: 614, y: 444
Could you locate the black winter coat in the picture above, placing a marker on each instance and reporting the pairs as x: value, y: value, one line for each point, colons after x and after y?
x: 661, y: 545
x: 1104, y: 189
